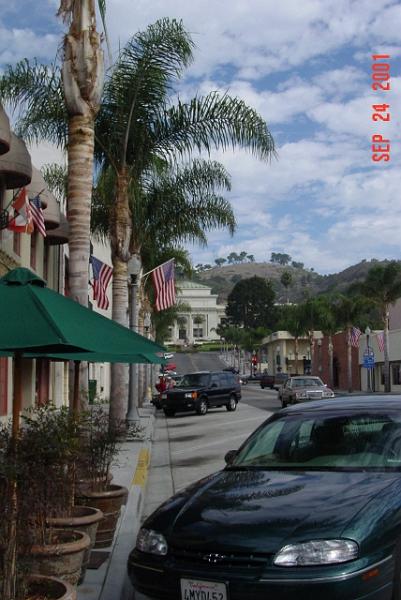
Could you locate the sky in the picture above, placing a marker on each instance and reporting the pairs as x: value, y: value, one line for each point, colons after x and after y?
x: 306, y: 67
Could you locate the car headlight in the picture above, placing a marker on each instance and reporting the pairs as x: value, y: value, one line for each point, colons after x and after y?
x: 188, y: 395
x: 301, y: 394
x: 328, y: 394
x: 318, y: 552
x: 151, y: 542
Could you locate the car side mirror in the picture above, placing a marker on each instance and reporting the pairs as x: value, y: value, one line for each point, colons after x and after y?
x: 230, y: 455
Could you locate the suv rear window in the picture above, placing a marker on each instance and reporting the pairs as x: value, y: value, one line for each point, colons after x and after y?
x: 195, y: 379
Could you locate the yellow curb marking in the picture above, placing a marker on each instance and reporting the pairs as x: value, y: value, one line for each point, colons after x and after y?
x: 141, y: 472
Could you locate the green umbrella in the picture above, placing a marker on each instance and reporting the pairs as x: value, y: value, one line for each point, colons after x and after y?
x: 38, y: 321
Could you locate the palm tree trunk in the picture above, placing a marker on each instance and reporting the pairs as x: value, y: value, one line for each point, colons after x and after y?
x: 387, y: 381
x: 120, y: 234
x: 349, y: 359
x: 80, y: 174
x: 296, y: 352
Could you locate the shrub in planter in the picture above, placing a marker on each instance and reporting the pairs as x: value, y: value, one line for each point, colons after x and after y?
x: 37, y: 473
x: 100, y: 448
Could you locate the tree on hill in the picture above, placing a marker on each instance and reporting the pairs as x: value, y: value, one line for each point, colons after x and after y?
x: 242, y: 256
x: 280, y: 258
x: 297, y: 265
x: 286, y: 281
x: 232, y: 258
x: 251, y: 258
x: 251, y: 303
x: 220, y: 261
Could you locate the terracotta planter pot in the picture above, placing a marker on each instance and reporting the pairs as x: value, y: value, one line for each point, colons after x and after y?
x: 54, y: 588
x: 83, y: 518
x: 109, y: 502
x: 61, y: 556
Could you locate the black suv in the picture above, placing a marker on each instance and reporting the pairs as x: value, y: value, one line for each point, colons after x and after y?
x: 201, y: 391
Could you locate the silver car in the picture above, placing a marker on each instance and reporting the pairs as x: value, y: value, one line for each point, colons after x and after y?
x: 303, y: 388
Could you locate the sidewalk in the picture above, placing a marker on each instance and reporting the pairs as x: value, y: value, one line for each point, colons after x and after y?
x: 109, y: 581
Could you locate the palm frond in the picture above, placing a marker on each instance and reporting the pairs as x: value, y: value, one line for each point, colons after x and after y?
x: 139, y: 83
x: 213, y: 121
x: 35, y: 93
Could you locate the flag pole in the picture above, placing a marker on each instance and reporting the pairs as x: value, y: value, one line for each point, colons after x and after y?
x: 158, y: 267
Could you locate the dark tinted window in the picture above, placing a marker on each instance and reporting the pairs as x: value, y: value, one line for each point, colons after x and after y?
x: 229, y: 380
x: 215, y: 380
x: 195, y: 379
x: 321, y: 441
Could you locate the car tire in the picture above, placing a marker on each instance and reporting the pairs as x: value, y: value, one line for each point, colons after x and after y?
x: 169, y: 412
x: 262, y: 386
x: 202, y: 407
x: 283, y: 403
x: 397, y: 572
x: 232, y: 404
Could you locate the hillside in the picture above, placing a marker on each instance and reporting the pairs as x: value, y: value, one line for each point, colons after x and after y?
x: 305, y: 282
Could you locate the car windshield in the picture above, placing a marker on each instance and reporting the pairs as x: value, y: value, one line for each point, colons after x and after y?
x: 307, y: 382
x: 194, y: 379
x: 318, y: 440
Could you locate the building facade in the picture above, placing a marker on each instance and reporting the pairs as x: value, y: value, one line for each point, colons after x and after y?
x: 200, y: 316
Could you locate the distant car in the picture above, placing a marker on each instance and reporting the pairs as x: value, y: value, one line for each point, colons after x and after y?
x: 303, y: 388
x: 308, y: 508
x: 267, y: 381
x: 201, y: 391
x: 168, y: 355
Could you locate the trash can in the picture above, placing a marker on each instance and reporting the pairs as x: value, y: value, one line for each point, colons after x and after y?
x: 92, y: 390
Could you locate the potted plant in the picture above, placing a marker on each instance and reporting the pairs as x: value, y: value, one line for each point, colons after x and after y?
x: 100, y: 447
x: 35, y: 475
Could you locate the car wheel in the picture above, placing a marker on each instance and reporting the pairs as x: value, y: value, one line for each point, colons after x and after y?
x: 202, y: 407
x: 283, y: 403
x: 232, y: 404
x: 397, y: 572
x: 169, y: 412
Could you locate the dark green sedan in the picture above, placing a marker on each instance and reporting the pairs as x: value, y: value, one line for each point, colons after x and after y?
x: 308, y: 508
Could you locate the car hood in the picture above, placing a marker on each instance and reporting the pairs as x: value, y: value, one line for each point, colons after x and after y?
x: 259, y: 511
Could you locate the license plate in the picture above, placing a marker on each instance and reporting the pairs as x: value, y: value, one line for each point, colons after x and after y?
x: 195, y: 589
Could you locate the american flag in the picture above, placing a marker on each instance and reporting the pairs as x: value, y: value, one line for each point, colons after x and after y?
x: 354, y: 337
x: 37, y: 215
x: 163, y: 281
x: 380, y: 340
x: 102, y: 274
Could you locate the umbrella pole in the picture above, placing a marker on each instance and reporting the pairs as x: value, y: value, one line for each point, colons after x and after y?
x: 17, y: 400
x: 75, y: 399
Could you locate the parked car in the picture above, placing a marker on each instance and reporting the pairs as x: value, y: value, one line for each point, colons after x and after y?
x: 267, y: 380
x: 201, y: 391
x: 303, y: 388
x: 273, y: 381
x: 309, y: 507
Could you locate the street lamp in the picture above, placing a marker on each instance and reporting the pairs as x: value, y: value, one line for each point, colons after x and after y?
x: 134, y: 269
x: 368, y: 372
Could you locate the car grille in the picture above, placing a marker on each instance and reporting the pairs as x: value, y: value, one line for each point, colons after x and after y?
x: 236, y: 563
x: 315, y: 394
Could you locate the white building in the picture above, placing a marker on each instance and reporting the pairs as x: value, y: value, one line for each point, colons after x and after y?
x: 199, y: 321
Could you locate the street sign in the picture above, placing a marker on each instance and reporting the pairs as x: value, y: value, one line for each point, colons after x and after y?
x: 368, y: 358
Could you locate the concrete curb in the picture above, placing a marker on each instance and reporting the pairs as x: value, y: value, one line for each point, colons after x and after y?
x: 116, y: 584
x: 110, y: 581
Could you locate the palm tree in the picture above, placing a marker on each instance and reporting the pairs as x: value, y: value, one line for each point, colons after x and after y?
x: 383, y: 287
x: 328, y: 324
x: 348, y: 310
x: 286, y: 281
x: 172, y: 205
x: 138, y: 129
x: 293, y: 321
